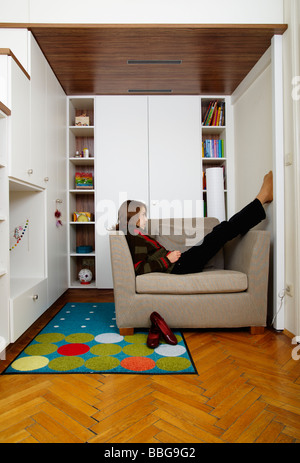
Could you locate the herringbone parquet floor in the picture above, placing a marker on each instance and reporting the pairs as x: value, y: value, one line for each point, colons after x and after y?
x: 247, y: 390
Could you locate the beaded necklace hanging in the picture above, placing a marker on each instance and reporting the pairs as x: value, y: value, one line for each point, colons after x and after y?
x: 19, y: 233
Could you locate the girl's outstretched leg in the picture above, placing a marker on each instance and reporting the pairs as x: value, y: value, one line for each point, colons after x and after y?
x: 194, y: 260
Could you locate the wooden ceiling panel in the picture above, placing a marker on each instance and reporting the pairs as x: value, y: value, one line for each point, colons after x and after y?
x: 92, y: 60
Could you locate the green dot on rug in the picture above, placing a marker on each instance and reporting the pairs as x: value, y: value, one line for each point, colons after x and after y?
x: 79, y: 338
x: 30, y: 363
x: 50, y: 337
x: 102, y: 363
x: 173, y: 363
x: 106, y: 349
x: 65, y: 363
x: 40, y: 349
x: 137, y: 350
x: 138, y: 338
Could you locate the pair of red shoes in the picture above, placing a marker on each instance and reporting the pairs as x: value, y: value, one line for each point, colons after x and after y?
x: 159, y: 327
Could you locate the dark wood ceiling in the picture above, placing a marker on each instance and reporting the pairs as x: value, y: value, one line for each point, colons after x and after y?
x: 93, y: 59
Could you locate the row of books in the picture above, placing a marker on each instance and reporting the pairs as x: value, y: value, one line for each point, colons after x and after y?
x: 215, y: 114
x: 213, y: 148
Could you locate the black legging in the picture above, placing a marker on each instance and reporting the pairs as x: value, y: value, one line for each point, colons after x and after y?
x: 194, y: 259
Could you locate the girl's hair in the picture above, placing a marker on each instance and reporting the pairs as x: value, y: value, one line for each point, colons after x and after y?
x: 128, y: 215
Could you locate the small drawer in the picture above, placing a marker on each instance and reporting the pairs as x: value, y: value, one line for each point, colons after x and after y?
x: 26, y: 308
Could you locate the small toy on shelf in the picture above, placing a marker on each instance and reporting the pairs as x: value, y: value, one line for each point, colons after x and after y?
x: 84, y: 180
x: 85, y: 276
x: 82, y: 216
x: 82, y: 120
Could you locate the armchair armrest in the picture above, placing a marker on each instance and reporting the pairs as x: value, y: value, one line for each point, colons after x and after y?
x: 250, y: 254
x: 122, y: 265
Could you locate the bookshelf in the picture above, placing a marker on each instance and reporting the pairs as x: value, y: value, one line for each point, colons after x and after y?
x: 81, y: 198
x: 213, y: 135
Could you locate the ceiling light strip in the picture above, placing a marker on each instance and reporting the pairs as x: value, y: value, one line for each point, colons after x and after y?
x: 154, y: 61
x: 150, y: 91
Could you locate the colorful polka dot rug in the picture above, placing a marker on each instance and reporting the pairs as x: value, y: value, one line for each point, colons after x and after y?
x: 84, y: 338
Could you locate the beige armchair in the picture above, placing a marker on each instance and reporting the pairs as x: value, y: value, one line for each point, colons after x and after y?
x: 230, y: 292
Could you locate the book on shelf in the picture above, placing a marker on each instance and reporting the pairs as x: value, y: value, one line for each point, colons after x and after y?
x: 215, y: 114
x: 213, y: 148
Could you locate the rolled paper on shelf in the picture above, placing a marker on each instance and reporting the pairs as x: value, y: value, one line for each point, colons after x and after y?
x: 215, y: 193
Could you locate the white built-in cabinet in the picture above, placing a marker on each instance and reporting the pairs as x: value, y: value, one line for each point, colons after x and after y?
x: 4, y: 234
x: 122, y: 167
x: 175, y: 167
x: 149, y: 148
x: 19, y: 157
x: 33, y: 185
x: 56, y: 197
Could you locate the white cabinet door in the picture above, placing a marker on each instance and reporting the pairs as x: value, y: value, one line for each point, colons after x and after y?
x: 121, y: 167
x: 38, y: 116
x: 175, y: 168
x: 56, y: 189
x: 20, y: 124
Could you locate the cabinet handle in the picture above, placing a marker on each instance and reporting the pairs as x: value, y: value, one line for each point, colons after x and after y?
x: 35, y: 297
x: 30, y: 171
x: 46, y: 179
x: 58, y: 201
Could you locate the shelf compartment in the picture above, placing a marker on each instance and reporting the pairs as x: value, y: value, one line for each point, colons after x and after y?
x: 82, y: 235
x: 77, y: 263
x: 206, y: 104
x: 80, y: 105
x: 80, y: 138
x: 83, y: 167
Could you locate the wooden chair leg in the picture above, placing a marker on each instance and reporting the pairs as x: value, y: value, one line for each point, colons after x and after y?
x: 126, y: 331
x: 257, y: 329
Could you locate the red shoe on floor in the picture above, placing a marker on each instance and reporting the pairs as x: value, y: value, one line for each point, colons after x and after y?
x: 160, y: 323
x: 153, y: 337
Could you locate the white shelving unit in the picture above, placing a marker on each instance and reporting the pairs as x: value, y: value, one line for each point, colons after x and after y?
x: 214, y: 132
x: 80, y: 200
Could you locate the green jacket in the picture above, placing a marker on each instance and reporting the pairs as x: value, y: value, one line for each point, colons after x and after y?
x: 147, y: 254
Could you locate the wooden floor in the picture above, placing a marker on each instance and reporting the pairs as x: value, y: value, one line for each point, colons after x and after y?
x: 247, y: 390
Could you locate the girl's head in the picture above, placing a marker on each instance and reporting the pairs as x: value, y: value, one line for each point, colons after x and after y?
x: 132, y: 214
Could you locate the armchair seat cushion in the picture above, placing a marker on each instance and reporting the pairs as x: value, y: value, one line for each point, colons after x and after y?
x: 217, y: 281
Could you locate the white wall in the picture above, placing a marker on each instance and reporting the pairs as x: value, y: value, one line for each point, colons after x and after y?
x: 17, y: 40
x: 291, y: 69
x: 142, y: 11
x: 254, y: 147
x: 253, y: 138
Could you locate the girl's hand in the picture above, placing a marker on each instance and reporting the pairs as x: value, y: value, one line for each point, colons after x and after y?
x: 174, y: 256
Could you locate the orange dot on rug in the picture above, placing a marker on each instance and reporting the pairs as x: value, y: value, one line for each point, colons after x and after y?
x: 138, y: 363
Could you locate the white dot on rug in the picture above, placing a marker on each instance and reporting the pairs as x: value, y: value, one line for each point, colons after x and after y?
x: 170, y: 351
x: 107, y: 338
